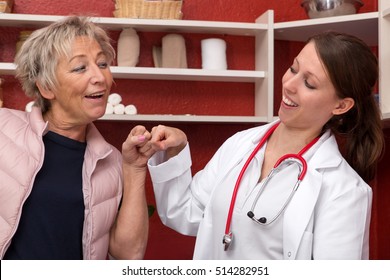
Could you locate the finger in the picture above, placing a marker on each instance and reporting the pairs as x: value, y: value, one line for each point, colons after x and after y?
x: 147, y: 135
x: 145, y: 149
x: 138, y: 134
x: 133, y: 141
x: 158, y: 127
x: 158, y: 136
x: 158, y: 132
x: 138, y: 130
x: 149, y: 153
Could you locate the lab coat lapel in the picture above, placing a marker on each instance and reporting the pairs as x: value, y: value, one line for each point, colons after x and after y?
x: 301, y: 208
x: 299, y: 212
x: 241, y: 149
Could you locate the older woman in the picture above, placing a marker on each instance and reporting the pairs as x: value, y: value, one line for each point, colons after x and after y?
x: 62, y: 183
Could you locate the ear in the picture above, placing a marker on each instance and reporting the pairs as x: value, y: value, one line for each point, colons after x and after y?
x: 344, y: 105
x: 46, y: 93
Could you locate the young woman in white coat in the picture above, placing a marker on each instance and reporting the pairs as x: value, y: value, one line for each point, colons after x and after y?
x: 327, y: 93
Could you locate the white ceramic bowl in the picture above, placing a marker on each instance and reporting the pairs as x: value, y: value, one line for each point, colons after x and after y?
x: 330, y: 8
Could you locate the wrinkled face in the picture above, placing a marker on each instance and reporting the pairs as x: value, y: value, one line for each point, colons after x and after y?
x: 309, y: 98
x: 84, y: 82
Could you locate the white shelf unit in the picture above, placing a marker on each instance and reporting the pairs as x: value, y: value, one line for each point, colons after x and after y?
x: 363, y: 25
x: 373, y: 28
x: 384, y: 62
x: 262, y: 76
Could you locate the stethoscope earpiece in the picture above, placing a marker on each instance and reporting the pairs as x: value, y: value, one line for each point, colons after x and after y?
x: 262, y: 220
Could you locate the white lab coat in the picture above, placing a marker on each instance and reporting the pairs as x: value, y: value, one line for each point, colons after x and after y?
x: 328, y: 217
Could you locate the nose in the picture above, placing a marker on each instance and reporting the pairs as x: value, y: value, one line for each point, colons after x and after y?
x: 97, y: 75
x: 290, y: 81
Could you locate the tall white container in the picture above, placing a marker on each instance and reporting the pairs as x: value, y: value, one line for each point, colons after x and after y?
x: 128, y: 48
x: 214, y: 54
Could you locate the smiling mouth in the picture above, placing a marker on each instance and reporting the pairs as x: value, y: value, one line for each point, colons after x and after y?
x: 95, y: 96
x: 288, y: 102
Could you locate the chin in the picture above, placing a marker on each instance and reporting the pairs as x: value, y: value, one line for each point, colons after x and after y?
x: 285, y: 119
x: 97, y: 115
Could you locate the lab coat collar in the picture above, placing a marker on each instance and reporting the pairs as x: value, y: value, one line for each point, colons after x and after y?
x: 325, y: 160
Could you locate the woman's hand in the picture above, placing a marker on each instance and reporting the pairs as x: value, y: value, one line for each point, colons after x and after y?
x: 137, y: 149
x: 169, y: 139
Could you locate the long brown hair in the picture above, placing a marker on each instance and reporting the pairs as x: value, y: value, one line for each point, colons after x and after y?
x: 353, y: 69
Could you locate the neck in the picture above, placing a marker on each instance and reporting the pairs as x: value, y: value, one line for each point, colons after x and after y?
x: 291, y: 140
x: 72, y: 131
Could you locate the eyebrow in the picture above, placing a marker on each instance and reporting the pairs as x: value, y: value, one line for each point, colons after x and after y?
x: 308, y: 72
x: 99, y: 54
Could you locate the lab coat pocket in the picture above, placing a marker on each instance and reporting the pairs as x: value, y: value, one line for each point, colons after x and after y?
x: 306, y: 247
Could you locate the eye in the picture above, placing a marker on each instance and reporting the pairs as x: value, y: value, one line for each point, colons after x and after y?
x: 103, y: 64
x: 79, y: 69
x: 308, y: 85
x: 292, y: 70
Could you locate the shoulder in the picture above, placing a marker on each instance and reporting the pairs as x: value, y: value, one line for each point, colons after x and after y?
x: 345, y: 177
x: 337, y: 175
x: 20, y: 126
x: 251, y: 135
x: 16, y: 122
x: 241, y: 142
x: 11, y: 115
x: 343, y: 180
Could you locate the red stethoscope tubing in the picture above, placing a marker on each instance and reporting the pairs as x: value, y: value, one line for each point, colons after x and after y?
x: 235, y: 191
x: 252, y: 155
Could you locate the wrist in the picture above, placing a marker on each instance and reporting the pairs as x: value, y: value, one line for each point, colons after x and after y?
x: 174, y: 151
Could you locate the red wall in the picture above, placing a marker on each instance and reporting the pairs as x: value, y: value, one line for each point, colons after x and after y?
x: 196, y: 97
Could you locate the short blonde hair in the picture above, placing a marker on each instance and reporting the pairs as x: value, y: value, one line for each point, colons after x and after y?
x: 38, y: 58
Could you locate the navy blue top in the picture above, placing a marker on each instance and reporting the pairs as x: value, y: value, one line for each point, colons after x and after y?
x: 52, y: 219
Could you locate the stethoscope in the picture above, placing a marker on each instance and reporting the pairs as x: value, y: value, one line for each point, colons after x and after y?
x: 285, y: 160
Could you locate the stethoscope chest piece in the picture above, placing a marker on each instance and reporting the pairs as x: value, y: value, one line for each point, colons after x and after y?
x: 227, y: 240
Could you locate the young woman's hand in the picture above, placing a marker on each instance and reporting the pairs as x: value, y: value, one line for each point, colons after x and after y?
x: 169, y: 139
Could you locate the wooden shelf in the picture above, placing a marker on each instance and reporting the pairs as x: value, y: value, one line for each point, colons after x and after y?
x: 150, y: 73
x: 147, y: 25
x: 386, y: 13
x: 7, y: 68
x: 384, y: 59
x: 187, y: 74
x: 185, y: 118
x: 364, y: 26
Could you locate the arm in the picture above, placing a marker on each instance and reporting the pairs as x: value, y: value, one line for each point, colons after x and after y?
x: 129, y: 234
x: 170, y: 170
x: 181, y: 199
